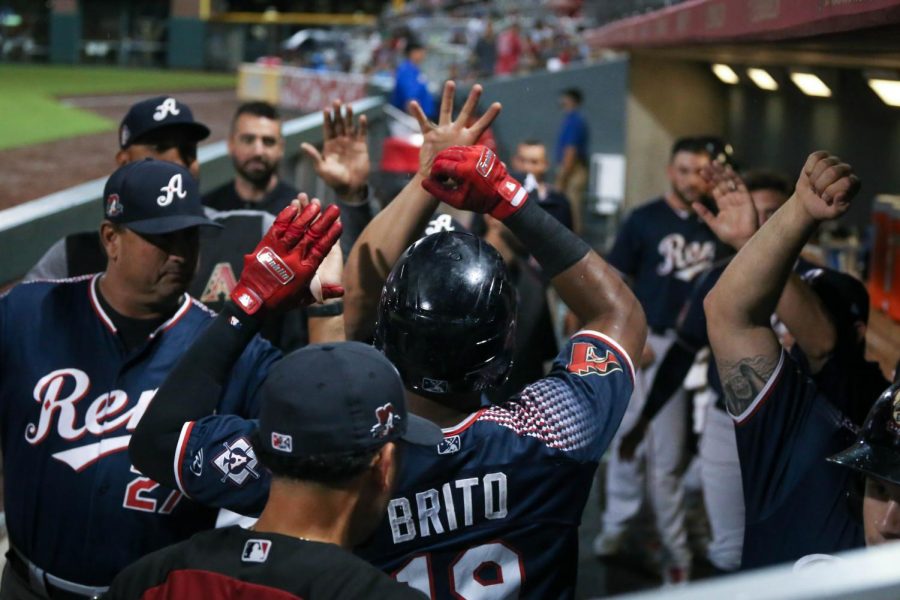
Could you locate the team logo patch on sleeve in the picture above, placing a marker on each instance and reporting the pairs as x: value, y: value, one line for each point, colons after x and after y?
x: 237, y: 461
x: 256, y: 551
x: 585, y: 361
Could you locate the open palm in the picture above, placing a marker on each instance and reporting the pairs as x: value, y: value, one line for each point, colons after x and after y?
x: 736, y: 220
x: 344, y: 162
x: 447, y: 131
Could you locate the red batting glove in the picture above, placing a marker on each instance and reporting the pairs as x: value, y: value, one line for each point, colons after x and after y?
x: 278, y: 274
x: 473, y: 178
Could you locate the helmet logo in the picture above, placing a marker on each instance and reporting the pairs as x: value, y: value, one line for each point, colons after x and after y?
x: 435, y: 386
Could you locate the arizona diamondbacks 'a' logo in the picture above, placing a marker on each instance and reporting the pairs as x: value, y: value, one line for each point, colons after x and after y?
x: 685, y: 259
x: 174, y: 188
x: 220, y: 284
x: 168, y: 107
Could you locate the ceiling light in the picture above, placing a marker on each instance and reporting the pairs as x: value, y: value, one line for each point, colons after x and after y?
x: 762, y: 79
x: 725, y: 74
x: 811, y: 85
x: 887, y: 89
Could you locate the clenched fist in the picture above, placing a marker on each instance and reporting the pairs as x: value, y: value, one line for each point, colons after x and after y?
x: 826, y: 186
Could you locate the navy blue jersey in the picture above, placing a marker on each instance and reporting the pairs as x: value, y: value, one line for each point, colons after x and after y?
x: 494, y: 509
x: 796, y: 502
x: 663, y: 251
x: 70, y: 396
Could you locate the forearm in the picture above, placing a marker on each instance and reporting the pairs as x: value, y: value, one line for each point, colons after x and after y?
x: 585, y: 282
x: 669, y: 377
x: 377, y: 249
x: 191, y: 391
x: 803, y: 313
x: 355, y: 217
x: 325, y: 327
x: 748, y: 291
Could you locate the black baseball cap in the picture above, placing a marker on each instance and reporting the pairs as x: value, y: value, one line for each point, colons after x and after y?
x: 154, y: 197
x: 876, y: 451
x: 155, y: 114
x: 337, y: 398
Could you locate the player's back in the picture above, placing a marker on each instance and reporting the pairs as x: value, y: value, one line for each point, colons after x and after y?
x: 493, y: 512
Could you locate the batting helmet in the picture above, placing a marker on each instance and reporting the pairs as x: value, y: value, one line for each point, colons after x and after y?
x: 876, y: 451
x: 447, y: 315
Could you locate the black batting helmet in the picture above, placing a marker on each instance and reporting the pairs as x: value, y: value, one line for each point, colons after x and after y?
x: 876, y: 451
x: 447, y: 315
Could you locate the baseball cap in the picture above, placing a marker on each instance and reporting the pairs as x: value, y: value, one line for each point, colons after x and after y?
x: 153, y: 197
x: 156, y: 113
x: 845, y: 296
x: 337, y: 398
x: 876, y: 451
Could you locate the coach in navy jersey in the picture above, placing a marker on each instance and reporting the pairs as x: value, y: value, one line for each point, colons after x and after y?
x: 80, y: 361
x: 796, y: 503
x: 660, y: 248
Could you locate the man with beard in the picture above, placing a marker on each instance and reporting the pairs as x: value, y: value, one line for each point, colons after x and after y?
x: 661, y: 247
x: 256, y: 147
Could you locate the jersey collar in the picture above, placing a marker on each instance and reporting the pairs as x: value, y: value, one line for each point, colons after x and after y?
x: 104, y: 318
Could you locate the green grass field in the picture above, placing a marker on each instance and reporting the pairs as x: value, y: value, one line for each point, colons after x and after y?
x: 30, y: 112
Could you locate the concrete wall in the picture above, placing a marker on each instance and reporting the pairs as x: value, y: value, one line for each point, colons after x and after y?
x: 667, y: 99
x: 531, y: 106
x: 779, y: 129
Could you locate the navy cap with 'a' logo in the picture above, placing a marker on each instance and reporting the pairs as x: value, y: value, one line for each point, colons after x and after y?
x: 337, y: 398
x: 154, y: 197
x: 153, y: 115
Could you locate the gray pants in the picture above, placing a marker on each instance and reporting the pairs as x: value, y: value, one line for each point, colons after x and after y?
x: 662, y: 453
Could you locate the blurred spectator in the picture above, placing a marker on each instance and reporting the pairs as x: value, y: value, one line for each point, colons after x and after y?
x: 485, y: 52
x: 411, y: 83
x: 509, y: 51
x: 572, y: 153
x: 530, y: 160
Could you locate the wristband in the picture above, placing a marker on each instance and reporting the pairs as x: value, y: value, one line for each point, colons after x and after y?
x: 332, y: 309
x: 554, y: 246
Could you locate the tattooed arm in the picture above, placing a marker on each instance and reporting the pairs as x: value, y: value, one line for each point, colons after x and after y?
x: 739, y: 307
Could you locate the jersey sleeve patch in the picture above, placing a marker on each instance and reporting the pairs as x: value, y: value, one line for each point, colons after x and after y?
x: 587, y: 359
x: 579, y: 406
x: 216, y: 465
x: 763, y: 395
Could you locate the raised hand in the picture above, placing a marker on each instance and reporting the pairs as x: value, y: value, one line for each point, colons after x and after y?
x: 737, y: 219
x: 343, y: 163
x: 447, y: 131
x: 826, y: 186
x: 278, y: 274
x: 473, y: 178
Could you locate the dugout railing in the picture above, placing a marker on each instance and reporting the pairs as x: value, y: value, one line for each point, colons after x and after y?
x: 868, y: 573
x: 29, y: 229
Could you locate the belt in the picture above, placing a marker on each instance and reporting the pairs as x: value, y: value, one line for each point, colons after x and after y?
x: 46, y: 584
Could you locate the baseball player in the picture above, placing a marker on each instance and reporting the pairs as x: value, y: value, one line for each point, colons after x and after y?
x: 785, y: 428
x: 661, y: 247
x: 331, y: 420
x: 494, y: 508
x: 80, y: 360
